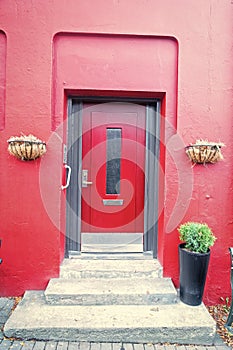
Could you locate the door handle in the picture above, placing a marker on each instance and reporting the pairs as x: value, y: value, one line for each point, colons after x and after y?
x: 68, y: 177
x: 85, y: 181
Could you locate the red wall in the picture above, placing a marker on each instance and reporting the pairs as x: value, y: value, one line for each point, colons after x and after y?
x: 182, y: 50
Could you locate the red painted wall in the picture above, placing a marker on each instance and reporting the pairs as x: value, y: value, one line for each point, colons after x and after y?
x: 182, y: 50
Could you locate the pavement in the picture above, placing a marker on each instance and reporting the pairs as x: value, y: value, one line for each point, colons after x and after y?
x: 6, y: 305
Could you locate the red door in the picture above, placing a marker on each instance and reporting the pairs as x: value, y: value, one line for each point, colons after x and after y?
x: 113, y: 157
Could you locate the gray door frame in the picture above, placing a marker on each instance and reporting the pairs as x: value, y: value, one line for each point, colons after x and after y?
x: 74, y: 159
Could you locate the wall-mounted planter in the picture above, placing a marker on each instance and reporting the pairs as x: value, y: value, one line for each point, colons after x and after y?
x: 203, y: 152
x: 26, y: 147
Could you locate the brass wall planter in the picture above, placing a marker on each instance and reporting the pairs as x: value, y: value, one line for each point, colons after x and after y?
x: 203, y: 152
x: 26, y: 147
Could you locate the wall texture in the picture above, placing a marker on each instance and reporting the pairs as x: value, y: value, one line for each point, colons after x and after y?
x: 40, y: 61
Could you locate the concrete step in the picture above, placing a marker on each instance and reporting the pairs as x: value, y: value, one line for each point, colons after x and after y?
x: 104, y: 268
x: 135, y: 291
x: 177, y: 323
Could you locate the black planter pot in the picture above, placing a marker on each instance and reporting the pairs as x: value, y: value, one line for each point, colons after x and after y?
x: 193, y: 271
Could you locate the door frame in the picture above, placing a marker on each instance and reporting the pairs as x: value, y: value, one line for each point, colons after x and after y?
x: 74, y: 147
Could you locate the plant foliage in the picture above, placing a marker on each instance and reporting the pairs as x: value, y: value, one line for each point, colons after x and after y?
x: 198, y: 237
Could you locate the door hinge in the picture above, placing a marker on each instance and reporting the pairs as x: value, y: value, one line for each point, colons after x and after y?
x: 64, y: 154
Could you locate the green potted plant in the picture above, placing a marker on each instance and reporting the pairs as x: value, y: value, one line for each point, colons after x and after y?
x: 194, y: 255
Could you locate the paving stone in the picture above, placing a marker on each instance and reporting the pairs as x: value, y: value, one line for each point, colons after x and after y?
x: 138, y: 346
x: 128, y: 346
x: 84, y: 346
x: 169, y: 347
x: 95, y: 346
x: 159, y: 347
x: 3, y: 317
x: 5, y: 303
x: 51, y: 345
x: 28, y: 345
x: 1, y: 335
x: 106, y: 346
x: 116, y: 346
x: 5, y: 344
x: 62, y: 345
x: 17, y: 345
x: 148, y: 346
x: 39, y: 345
x: 73, y: 346
x: 216, y: 347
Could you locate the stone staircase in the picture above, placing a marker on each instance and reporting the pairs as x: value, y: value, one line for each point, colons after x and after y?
x: 100, y: 298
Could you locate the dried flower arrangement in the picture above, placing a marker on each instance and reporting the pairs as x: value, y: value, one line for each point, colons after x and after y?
x: 26, y: 147
x: 204, y: 151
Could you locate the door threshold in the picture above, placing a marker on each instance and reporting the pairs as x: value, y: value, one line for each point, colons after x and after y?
x: 111, y: 256
x: 112, y: 242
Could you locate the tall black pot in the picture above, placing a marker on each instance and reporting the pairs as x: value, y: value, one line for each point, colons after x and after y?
x: 193, y: 271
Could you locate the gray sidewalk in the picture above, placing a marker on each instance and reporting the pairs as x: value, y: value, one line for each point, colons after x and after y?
x: 6, y: 305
